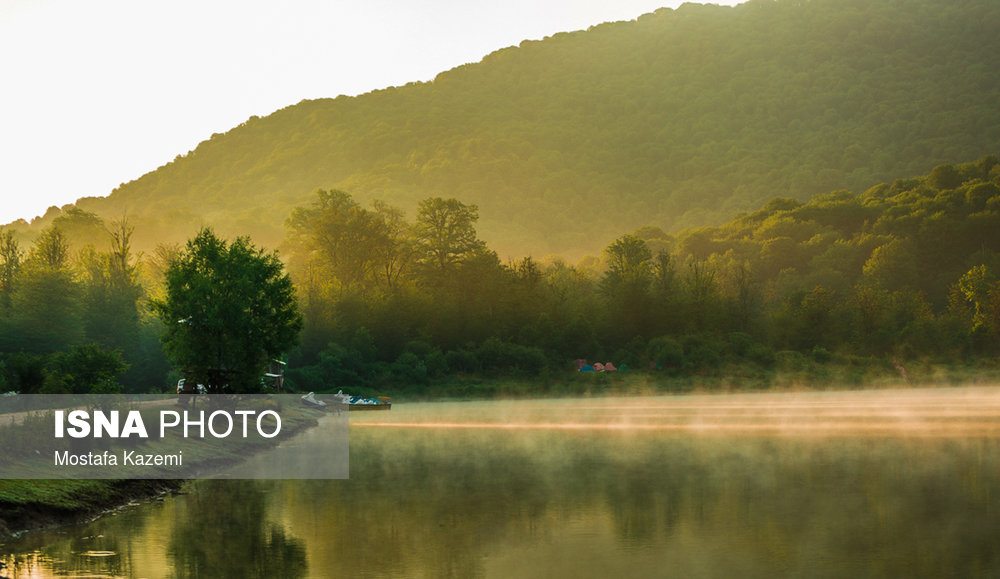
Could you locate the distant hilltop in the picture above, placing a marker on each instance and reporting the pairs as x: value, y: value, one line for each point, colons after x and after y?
x: 680, y: 118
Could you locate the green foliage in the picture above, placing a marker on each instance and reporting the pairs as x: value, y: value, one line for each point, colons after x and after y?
x: 25, y: 372
x: 944, y: 177
x: 363, y: 250
x: 892, y: 266
x: 80, y: 228
x: 445, y: 235
x: 11, y: 258
x: 84, y: 369
x: 51, y: 250
x: 980, y: 288
x: 462, y: 361
x: 45, y: 313
x: 495, y: 355
x: 905, y: 270
x: 627, y: 283
x: 667, y: 353
x: 229, y: 309
x: 840, y: 277
x: 112, y: 291
x: 629, y: 263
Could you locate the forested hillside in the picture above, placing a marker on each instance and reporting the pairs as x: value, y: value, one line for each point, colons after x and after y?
x: 681, y: 118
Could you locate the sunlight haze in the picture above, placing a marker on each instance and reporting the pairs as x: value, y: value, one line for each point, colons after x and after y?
x: 100, y: 93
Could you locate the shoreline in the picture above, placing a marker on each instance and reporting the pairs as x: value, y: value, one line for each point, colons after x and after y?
x: 28, y: 505
x: 48, y: 504
x: 88, y: 502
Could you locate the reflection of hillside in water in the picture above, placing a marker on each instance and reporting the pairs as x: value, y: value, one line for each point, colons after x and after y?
x: 595, y: 487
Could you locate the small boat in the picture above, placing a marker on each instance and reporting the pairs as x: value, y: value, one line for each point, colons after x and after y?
x: 362, y: 403
x: 311, y: 400
x: 373, y: 406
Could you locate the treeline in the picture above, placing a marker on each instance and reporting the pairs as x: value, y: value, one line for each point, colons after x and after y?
x: 73, y: 320
x: 680, y: 118
x: 903, y: 274
x: 905, y: 271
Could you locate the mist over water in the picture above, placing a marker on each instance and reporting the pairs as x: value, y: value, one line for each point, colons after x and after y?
x: 824, y: 484
x: 924, y: 413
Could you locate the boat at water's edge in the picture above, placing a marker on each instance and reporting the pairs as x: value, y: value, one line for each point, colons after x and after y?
x: 340, y: 400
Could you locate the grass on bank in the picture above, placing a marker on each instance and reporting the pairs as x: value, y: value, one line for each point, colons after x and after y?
x: 30, y: 504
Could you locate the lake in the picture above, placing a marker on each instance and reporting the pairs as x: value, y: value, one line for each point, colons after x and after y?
x: 814, y: 484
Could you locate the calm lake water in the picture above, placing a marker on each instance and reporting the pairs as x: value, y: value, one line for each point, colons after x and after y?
x: 850, y: 484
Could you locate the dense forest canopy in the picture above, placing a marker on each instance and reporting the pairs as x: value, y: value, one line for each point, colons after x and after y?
x: 906, y: 273
x: 680, y: 118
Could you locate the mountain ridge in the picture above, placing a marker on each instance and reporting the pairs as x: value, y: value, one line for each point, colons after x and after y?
x: 679, y: 118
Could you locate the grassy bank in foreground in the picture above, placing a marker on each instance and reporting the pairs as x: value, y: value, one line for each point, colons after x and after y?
x: 33, y: 504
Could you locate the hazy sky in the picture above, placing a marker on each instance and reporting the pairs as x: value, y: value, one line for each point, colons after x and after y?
x: 98, y: 93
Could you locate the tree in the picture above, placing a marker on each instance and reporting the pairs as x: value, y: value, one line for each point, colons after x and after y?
x: 817, y: 319
x: 45, y: 302
x: 362, y: 249
x: 229, y: 309
x: 86, y: 369
x: 51, y: 249
x: 396, y: 250
x: 980, y: 288
x: 892, y: 266
x: 337, y: 233
x: 700, y: 303
x: 743, y: 293
x: 81, y: 228
x: 629, y: 263
x: 112, y: 287
x: 944, y: 177
x: 627, y: 284
x: 446, y: 233
x: 11, y: 257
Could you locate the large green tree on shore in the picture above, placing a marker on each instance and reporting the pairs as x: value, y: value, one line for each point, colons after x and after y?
x: 229, y: 309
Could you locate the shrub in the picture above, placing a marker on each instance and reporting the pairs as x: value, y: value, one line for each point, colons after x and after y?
x: 462, y: 360
x: 666, y: 353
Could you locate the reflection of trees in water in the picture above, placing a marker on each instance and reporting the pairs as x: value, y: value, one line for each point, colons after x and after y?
x: 100, y: 548
x: 444, y: 502
x: 62, y: 560
x: 451, y: 503
x: 441, y: 503
x: 225, y: 532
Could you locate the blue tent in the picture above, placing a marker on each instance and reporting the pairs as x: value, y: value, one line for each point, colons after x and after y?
x: 587, y: 368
